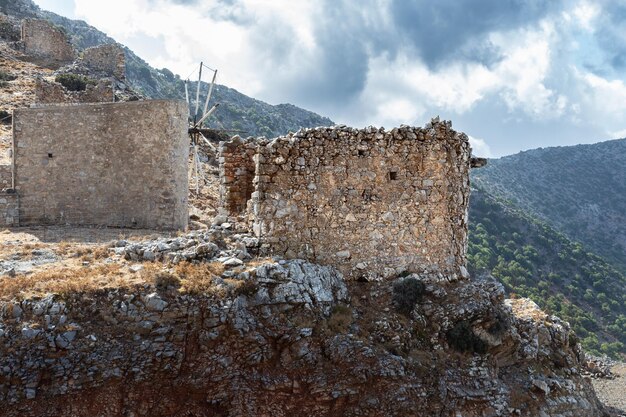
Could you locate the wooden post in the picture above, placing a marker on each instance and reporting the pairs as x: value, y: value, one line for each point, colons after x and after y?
x: 195, y: 115
x: 208, y: 97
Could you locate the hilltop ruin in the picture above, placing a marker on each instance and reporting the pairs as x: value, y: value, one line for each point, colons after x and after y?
x: 369, y: 202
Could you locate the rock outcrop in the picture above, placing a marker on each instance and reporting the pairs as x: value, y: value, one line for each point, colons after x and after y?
x: 280, y: 338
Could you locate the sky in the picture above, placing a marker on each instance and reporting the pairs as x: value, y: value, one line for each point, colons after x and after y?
x: 512, y: 74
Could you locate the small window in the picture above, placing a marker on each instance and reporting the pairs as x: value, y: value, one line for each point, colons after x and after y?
x: 49, y: 155
x: 361, y: 152
x: 393, y: 175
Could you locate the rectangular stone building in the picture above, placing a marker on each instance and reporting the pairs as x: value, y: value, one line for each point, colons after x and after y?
x: 369, y: 202
x: 106, y: 164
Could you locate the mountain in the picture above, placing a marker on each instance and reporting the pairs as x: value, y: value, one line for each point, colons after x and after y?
x: 579, y: 190
x: 532, y: 259
x: 237, y: 112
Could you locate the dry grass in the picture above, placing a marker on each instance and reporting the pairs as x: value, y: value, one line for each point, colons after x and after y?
x: 258, y: 262
x: 83, y: 252
x: 199, y: 278
x: 242, y: 287
x: 66, y: 280
x: 340, y: 319
x: 185, y: 277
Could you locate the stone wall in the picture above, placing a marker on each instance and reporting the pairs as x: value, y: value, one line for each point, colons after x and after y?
x: 113, y: 164
x: 369, y: 202
x: 47, y: 92
x: 108, y: 59
x: 9, y: 209
x: 237, y: 168
x: 5, y: 177
x: 42, y: 39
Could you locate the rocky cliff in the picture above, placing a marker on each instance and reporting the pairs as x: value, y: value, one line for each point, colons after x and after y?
x: 198, y: 325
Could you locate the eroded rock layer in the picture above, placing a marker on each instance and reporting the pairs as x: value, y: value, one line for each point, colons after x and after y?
x: 280, y: 338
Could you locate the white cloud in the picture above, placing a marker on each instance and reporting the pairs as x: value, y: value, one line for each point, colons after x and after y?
x: 480, y: 147
x: 585, y: 14
x: 189, y: 34
x: 618, y: 133
x: 272, y: 50
x: 608, y: 95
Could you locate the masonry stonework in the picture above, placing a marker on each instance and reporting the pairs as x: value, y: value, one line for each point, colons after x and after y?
x: 9, y: 209
x: 5, y: 177
x: 108, y: 59
x: 42, y: 39
x: 237, y: 170
x: 48, y: 92
x: 113, y: 164
x: 370, y: 202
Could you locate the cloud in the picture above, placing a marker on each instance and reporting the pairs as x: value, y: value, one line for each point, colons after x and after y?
x: 502, y: 67
x: 611, y: 33
x: 619, y: 133
x: 439, y: 30
x: 480, y: 147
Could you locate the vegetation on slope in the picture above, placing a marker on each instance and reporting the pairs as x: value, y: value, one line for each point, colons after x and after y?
x: 534, y: 260
x: 579, y: 190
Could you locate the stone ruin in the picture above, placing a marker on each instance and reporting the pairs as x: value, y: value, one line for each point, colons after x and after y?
x: 80, y: 159
x: 42, y: 39
x: 106, y: 164
x: 107, y: 63
x: 49, y: 45
x: 372, y: 203
x: 108, y: 59
x: 48, y: 92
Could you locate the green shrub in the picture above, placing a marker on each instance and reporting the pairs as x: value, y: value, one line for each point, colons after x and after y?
x: 406, y: 293
x: 72, y: 82
x: 499, y: 326
x: 5, y: 117
x: 462, y: 338
x: 5, y: 76
x: 340, y: 319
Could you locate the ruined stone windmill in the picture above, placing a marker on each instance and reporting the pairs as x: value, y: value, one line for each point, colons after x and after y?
x: 196, y: 121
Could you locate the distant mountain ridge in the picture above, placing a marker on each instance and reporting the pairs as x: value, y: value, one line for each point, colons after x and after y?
x: 238, y: 112
x: 579, y: 190
x: 550, y: 223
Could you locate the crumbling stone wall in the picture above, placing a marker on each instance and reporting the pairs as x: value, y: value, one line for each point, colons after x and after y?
x: 9, y: 209
x: 5, y: 177
x: 369, y: 202
x: 111, y: 164
x: 9, y: 29
x: 42, y: 39
x: 47, y: 92
x: 237, y: 170
x: 108, y: 59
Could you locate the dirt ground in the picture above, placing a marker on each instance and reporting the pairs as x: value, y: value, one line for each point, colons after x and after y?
x: 612, y: 392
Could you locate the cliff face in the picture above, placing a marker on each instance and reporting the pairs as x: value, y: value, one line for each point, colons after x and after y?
x: 254, y: 337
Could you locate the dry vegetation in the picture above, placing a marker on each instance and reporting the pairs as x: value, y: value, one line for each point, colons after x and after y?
x: 86, y: 269
x: 184, y: 277
x: 66, y: 280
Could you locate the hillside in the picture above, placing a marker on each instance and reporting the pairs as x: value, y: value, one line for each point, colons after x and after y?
x: 579, y: 190
x: 101, y: 321
x: 533, y: 260
x: 238, y: 112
